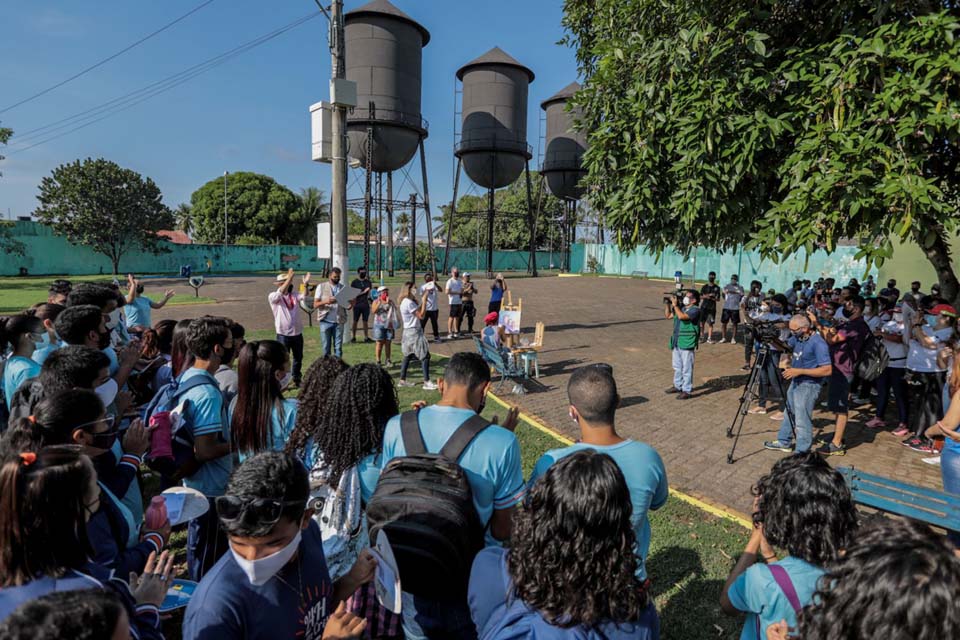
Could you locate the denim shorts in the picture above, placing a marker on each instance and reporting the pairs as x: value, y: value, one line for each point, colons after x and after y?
x: 838, y: 392
x: 382, y: 334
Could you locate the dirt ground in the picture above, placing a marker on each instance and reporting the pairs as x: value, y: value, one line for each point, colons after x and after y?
x: 620, y: 322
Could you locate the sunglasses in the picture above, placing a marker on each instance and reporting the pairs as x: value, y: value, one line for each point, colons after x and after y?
x: 260, y: 510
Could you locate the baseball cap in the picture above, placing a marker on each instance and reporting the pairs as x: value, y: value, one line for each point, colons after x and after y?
x: 383, y: 288
x: 944, y: 310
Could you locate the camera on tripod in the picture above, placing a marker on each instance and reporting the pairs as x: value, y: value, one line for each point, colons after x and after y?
x: 670, y: 296
x: 766, y: 331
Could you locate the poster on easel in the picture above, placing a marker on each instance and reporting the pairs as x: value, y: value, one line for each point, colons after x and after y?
x: 510, y: 321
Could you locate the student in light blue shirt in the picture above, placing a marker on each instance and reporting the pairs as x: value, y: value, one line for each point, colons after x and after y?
x: 593, y: 396
x: 205, y: 424
x: 804, y: 518
x: 492, y: 464
x: 261, y: 418
x: 24, y: 334
x: 139, y: 308
x: 47, y: 313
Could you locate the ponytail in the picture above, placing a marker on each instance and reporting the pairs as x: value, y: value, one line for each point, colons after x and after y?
x: 12, y: 327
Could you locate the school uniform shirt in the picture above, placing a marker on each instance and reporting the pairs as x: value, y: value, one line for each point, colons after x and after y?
x: 756, y: 593
x: 491, y: 461
x: 497, y: 613
x: 368, y: 468
x: 646, y: 477
x: 282, y: 419
x: 295, y: 603
x: 229, y: 381
x: 41, y: 354
x: 287, y: 319
x: 204, y: 414
x: 114, y: 537
x: 16, y: 371
x: 144, y: 618
x: 138, y: 312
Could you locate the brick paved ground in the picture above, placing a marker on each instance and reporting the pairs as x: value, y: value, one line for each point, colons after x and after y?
x: 620, y: 322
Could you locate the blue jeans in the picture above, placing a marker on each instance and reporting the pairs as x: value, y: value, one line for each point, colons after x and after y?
x: 950, y: 472
x: 683, y: 370
x: 801, y: 398
x: 331, y: 335
x: 427, y: 620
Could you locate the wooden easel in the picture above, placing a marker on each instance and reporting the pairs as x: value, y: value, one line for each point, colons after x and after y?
x: 510, y: 339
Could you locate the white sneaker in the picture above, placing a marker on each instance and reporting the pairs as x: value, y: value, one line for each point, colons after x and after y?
x: 404, y: 383
x: 429, y: 386
x: 722, y: 341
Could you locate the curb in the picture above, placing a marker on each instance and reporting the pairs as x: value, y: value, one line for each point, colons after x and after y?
x: 714, y: 509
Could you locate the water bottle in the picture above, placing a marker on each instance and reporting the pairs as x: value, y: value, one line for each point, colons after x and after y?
x: 156, y: 515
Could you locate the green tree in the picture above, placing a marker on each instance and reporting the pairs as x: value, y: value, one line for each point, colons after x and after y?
x: 510, y: 231
x: 792, y: 125
x: 258, y: 211
x: 5, y: 134
x: 8, y: 244
x: 184, y: 217
x: 99, y: 204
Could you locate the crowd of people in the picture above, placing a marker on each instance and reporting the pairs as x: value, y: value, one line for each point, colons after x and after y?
x: 106, y: 409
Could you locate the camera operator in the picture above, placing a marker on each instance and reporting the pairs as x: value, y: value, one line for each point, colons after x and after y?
x: 685, y: 338
x: 809, y: 362
x: 770, y: 325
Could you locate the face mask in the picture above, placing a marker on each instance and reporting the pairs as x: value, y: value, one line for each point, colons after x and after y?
x: 227, y: 354
x: 799, y: 334
x: 104, y: 340
x: 891, y: 285
x: 931, y: 320
x: 712, y: 279
x: 258, y: 572
x: 286, y: 379
x: 686, y: 301
x: 847, y: 313
x: 106, y: 441
x: 114, y: 319
x: 42, y: 343
x: 384, y: 296
x: 107, y: 392
x: 764, y: 308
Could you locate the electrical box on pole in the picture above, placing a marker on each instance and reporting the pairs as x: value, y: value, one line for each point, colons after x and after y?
x: 321, y: 114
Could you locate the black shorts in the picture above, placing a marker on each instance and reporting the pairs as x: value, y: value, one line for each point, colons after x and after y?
x: 361, y: 312
x: 456, y: 310
x: 708, y: 315
x: 838, y: 392
x: 731, y: 315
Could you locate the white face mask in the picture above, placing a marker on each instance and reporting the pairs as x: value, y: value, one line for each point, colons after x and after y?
x: 686, y: 301
x: 107, y: 392
x: 286, y: 380
x: 258, y: 572
x: 114, y: 319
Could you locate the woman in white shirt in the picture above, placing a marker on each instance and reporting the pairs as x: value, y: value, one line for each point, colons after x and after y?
x: 928, y: 335
x: 892, y: 378
x: 414, y: 344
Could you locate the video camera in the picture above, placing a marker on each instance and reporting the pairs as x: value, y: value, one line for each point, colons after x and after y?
x: 766, y: 330
x: 670, y: 296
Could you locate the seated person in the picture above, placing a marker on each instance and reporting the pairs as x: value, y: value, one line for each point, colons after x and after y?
x: 580, y: 505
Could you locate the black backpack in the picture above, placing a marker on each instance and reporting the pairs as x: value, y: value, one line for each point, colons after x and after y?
x: 425, y: 505
x: 874, y: 358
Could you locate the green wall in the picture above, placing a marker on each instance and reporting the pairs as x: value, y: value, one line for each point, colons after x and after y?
x: 49, y: 254
x: 908, y: 264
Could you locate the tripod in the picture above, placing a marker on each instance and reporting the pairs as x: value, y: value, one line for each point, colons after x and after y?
x: 751, y: 392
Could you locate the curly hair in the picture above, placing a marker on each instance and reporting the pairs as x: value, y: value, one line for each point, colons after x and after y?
x: 898, y: 580
x: 87, y: 614
x: 805, y: 508
x: 575, y: 531
x: 358, y: 407
x: 311, y: 400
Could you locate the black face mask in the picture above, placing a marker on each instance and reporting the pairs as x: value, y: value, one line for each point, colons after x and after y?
x: 104, y: 440
x: 891, y: 285
x: 227, y: 355
x: 847, y: 313
x: 104, y: 340
x: 712, y: 279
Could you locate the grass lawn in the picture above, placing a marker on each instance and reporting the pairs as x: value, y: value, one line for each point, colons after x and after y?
x: 691, y: 550
x: 17, y: 294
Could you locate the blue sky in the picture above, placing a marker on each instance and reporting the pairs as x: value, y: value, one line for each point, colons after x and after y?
x: 248, y: 114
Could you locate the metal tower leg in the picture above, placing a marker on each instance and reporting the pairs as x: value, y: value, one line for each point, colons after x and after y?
x: 453, y: 214
x: 532, y: 217
x: 413, y: 237
x: 426, y: 207
x: 390, y: 223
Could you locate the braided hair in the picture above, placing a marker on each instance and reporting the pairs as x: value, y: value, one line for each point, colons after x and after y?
x: 361, y: 401
x: 311, y: 400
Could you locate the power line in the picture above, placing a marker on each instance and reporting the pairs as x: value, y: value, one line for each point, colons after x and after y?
x: 109, y: 58
x: 122, y: 103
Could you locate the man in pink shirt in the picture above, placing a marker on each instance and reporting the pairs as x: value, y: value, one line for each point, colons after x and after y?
x: 285, y: 305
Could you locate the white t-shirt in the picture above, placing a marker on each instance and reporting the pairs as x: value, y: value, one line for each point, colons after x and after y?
x: 896, y: 350
x: 873, y: 322
x: 408, y: 314
x: 732, y: 294
x: 430, y: 291
x: 454, y: 289
x: 925, y: 360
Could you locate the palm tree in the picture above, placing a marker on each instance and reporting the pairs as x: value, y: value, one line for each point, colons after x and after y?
x: 184, y: 217
x: 312, y: 206
x: 403, y: 225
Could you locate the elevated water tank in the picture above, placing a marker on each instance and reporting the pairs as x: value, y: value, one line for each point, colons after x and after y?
x: 563, y: 160
x: 493, y: 144
x: 384, y: 57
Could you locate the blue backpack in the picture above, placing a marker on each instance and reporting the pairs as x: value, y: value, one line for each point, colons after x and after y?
x: 167, y: 399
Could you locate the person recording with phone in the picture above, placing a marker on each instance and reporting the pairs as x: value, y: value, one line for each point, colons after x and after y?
x: 682, y: 307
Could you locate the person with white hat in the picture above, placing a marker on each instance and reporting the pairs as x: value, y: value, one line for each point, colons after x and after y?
x: 287, y: 320
x: 386, y: 316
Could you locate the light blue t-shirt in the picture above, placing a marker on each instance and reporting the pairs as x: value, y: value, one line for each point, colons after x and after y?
x: 111, y: 353
x: 491, y: 461
x: 756, y: 593
x: 138, y: 312
x: 16, y: 371
x: 646, y: 478
x: 282, y: 419
x: 204, y: 414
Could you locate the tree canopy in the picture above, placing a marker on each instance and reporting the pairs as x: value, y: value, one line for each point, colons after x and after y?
x: 509, y: 231
x: 791, y: 125
x: 102, y: 205
x: 258, y: 209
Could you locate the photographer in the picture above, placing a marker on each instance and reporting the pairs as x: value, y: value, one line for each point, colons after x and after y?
x: 810, y: 362
x: 749, y: 306
x: 685, y: 338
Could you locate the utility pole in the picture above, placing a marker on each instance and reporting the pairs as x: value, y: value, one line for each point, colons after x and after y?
x: 338, y: 130
x: 225, y: 173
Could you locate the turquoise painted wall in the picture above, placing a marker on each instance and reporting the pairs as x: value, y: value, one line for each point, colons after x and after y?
x: 840, y: 265
x: 49, y: 254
